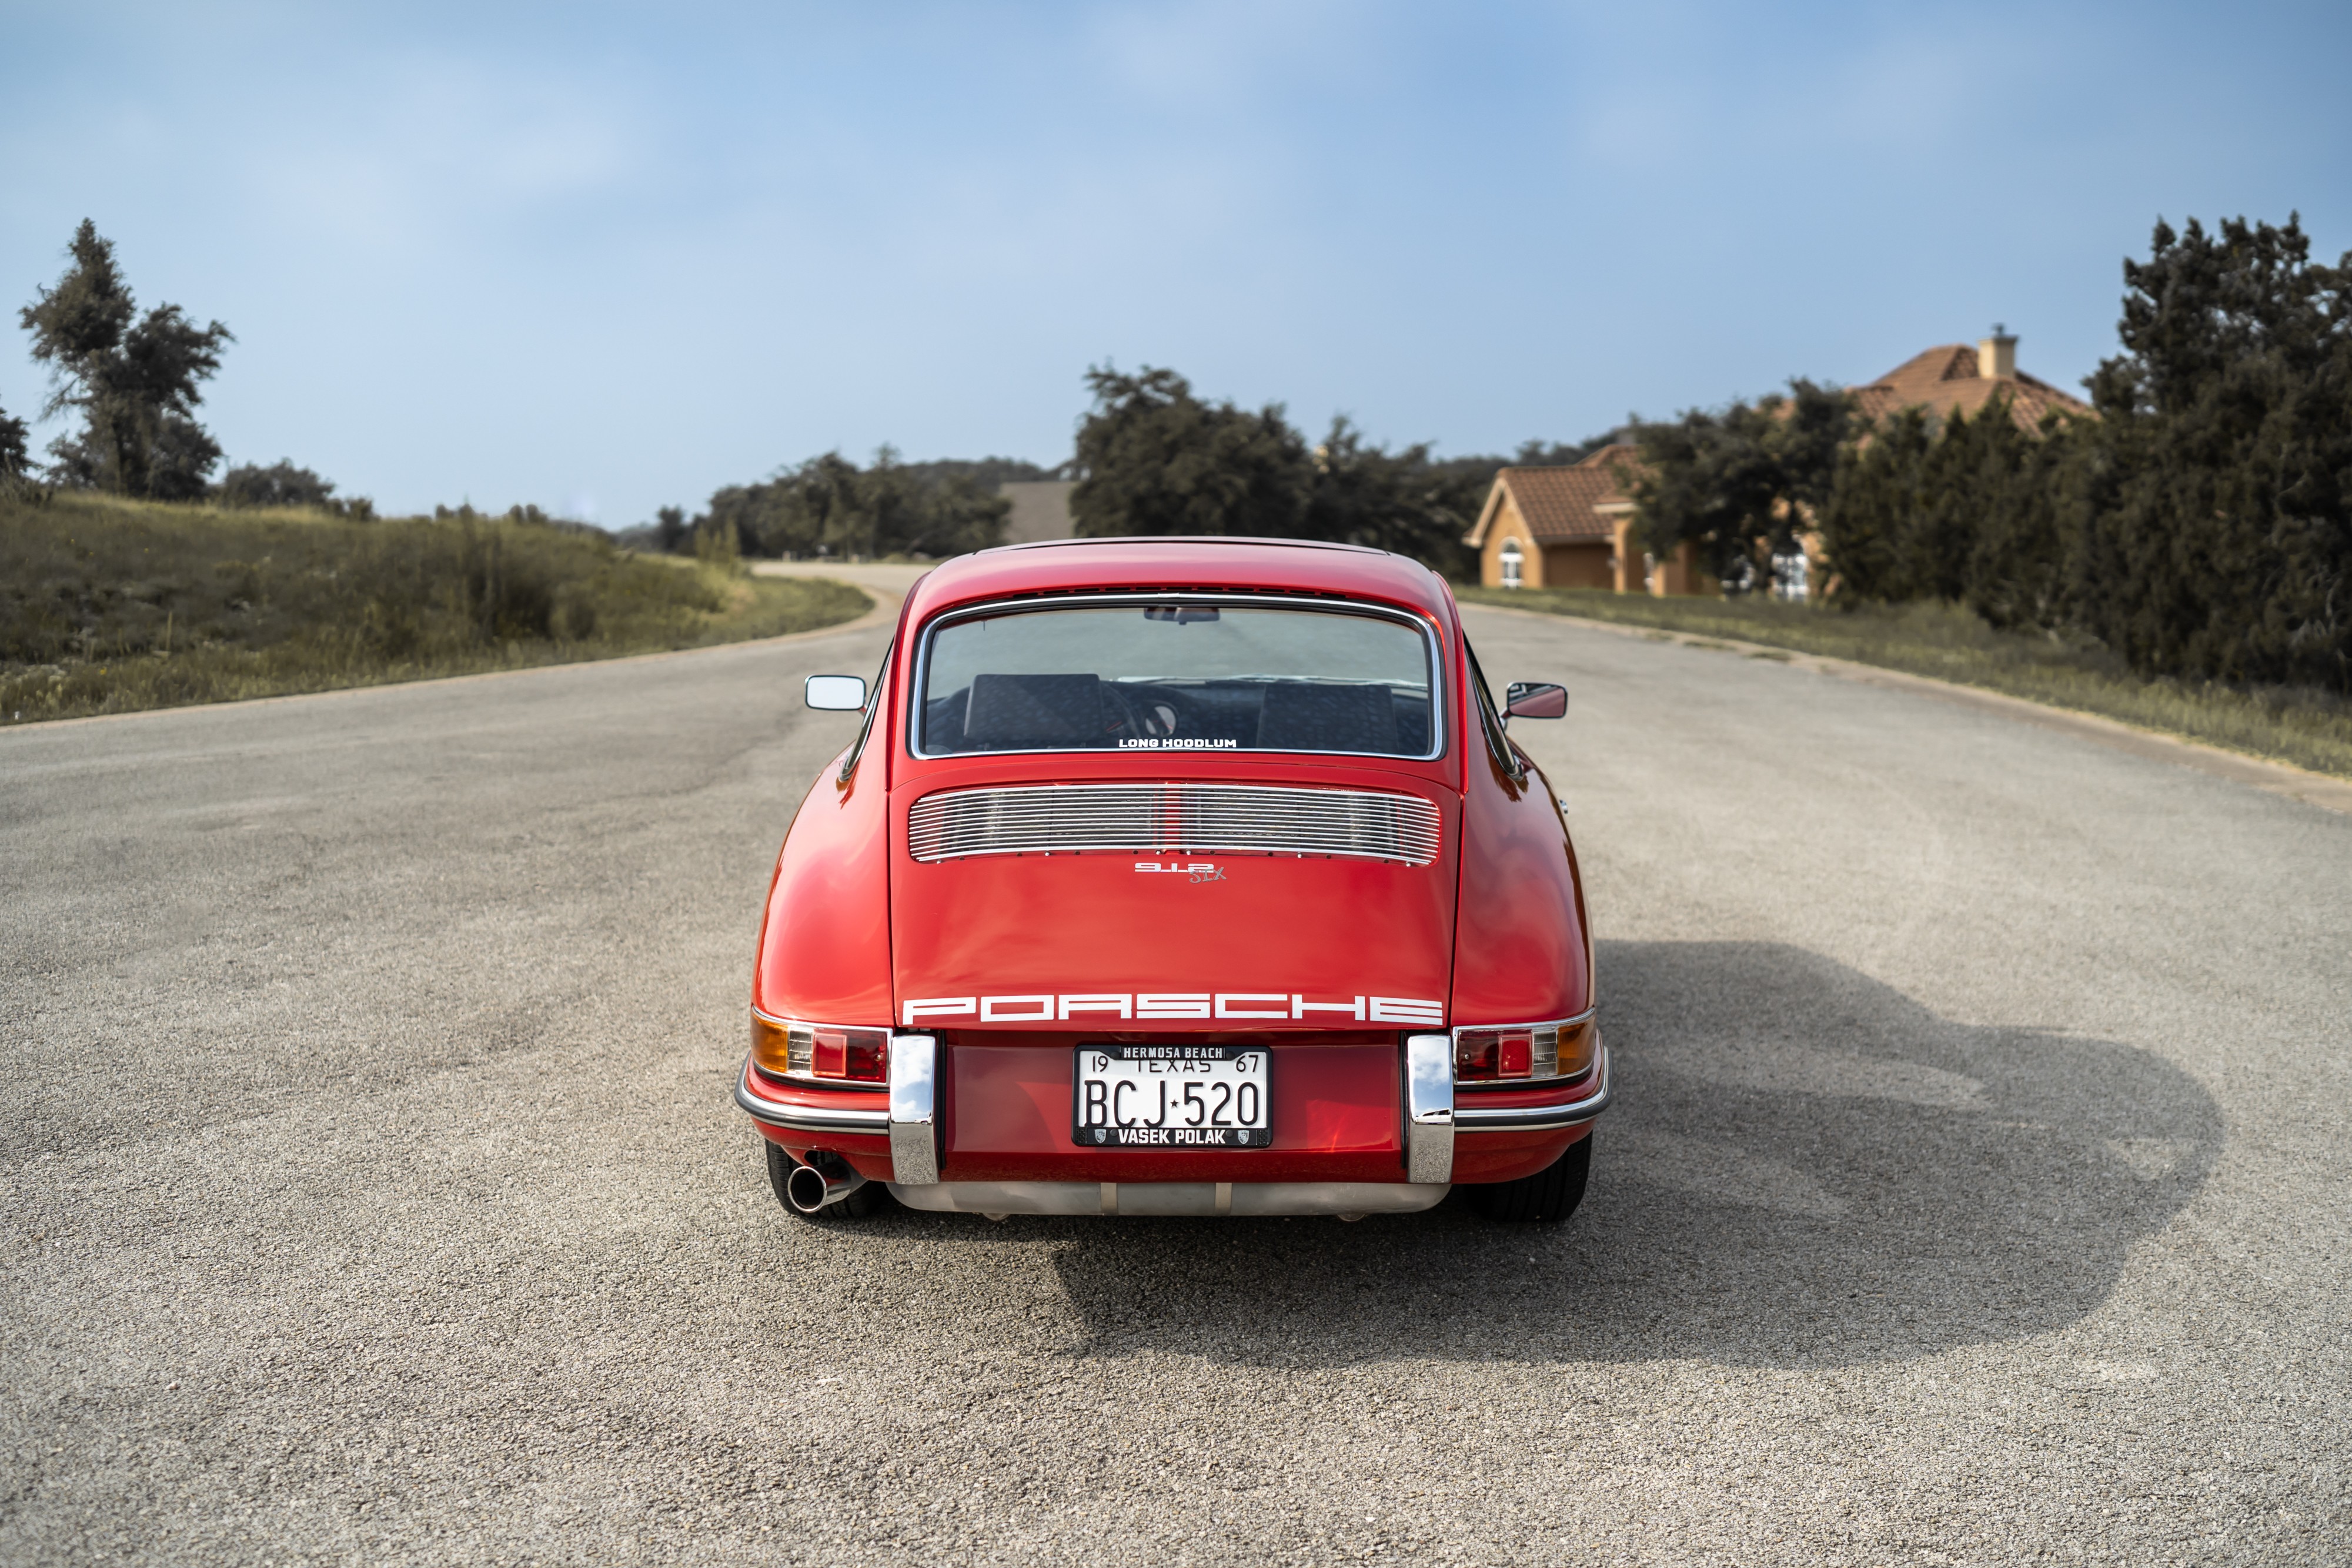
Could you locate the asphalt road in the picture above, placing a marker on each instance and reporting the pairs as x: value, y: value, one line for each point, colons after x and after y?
x: 1976, y: 1193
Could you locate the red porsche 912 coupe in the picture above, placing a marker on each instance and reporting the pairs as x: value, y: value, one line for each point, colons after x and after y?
x: 1176, y: 876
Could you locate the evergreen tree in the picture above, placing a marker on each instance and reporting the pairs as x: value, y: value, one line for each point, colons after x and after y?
x: 1740, y: 484
x: 1868, y: 525
x: 2223, y: 547
x: 15, y: 460
x: 828, y: 505
x: 280, y: 484
x: 1154, y: 459
x: 1366, y: 495
x: 133, y: 379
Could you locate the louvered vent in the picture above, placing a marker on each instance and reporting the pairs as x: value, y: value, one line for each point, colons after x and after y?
x: 1230, y: 819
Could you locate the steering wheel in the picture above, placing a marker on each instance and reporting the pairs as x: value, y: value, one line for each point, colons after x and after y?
x: 1157, y: 712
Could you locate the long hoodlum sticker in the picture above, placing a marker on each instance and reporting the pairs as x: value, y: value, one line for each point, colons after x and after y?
x: 1288, y: 1007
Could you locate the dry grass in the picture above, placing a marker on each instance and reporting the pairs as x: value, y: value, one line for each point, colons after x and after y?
x: 2309, y: 728
x: 108, y: 606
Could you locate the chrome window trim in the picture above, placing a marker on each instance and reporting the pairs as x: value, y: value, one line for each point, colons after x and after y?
x: 1539, y: 1118
x: 1432, y: 643
x: 1498, y: 742
x: 873, y: 707
x: 1510, y: 1085
x: 803, y: 1118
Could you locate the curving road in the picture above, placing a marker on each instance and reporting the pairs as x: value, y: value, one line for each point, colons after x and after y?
x: 1978, y: 1193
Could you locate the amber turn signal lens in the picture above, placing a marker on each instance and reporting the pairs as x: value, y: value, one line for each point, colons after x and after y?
x: 1578, y: 1044
x: 790, y: 1048
x: 771, y: 1044
x: 1523, y: 1051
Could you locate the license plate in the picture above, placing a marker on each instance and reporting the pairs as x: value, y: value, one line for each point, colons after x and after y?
x: 1172, y: 1097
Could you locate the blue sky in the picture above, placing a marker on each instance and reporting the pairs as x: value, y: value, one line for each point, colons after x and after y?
x: 602, y: 258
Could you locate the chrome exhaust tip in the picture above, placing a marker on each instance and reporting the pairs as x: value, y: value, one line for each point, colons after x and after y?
x: 825, y: 1178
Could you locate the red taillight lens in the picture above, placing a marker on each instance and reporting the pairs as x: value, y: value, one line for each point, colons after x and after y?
x: 1473, y: 1053
x: 820, y: 1050
x: 1523, y: 1051
x: 1515, y: 1053
x: 866, y: 1055
x: 829, y: 1053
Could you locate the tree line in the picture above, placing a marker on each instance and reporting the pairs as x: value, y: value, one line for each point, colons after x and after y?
x: 134, y: 382
x: 2198, y: 521
x: 1152, y: 456
x: 829, y: 506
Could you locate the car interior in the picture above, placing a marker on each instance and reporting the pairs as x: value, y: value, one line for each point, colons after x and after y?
x: 1051, y: 711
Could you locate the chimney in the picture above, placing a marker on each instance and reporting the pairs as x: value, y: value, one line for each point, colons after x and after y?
x: 1997, y: 355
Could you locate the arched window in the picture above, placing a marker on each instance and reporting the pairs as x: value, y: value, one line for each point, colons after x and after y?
x: 1511, y: 559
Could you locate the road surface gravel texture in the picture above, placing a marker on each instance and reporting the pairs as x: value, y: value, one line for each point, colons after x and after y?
x: 1976, y: 1190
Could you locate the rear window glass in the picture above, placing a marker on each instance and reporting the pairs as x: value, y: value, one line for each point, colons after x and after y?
x: 1178, y: 676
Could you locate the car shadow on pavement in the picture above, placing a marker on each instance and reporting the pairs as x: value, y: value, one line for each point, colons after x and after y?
x: 1803, y: 1167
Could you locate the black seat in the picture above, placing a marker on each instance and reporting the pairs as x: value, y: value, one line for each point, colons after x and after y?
x: 1309, y: 716
x: 1034, y: 710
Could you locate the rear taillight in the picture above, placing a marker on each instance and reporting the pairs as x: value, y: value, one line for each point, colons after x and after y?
x: 1495, y: 1052
x: 790, y: 1048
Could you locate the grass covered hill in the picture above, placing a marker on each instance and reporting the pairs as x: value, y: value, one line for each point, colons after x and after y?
x: 108, y: 605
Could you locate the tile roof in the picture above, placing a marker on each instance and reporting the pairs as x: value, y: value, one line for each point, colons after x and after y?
x: 1944, y: 380
x: 1557, y: 502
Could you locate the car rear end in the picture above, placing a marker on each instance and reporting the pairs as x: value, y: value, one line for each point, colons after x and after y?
x: 1172, y: 884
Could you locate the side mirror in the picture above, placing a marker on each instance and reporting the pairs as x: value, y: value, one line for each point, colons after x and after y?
x: 837, y: 694
x: 1534, y: 699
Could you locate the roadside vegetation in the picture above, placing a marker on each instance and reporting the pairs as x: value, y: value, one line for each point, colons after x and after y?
x: 2195, y: 521
x: 2307, y: 726
x: 109, y: 604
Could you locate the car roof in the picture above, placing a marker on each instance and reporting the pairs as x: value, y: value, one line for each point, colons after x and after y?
x: 1178, y: 563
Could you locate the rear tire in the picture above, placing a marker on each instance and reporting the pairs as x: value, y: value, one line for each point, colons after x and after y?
x: 1545, y: 1197
x: 866, y: 1200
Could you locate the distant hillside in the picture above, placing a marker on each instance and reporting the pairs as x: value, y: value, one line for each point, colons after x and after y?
x: 108, y: 605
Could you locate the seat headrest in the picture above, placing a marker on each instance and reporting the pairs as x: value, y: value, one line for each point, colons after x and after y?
x: 1037, y: 710
x: 1310, y: 716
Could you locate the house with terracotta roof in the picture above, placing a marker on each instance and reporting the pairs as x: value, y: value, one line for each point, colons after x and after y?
x: 1955, y: 378
x: 1571, y: 525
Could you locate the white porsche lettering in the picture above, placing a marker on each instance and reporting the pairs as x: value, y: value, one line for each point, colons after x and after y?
x: 1172, y: 1005
x: 1289, y: 1007
x: 1407, y: 1010
x: 935, y: 1008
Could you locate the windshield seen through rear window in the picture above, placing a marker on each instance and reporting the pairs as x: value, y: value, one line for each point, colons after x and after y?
x: 1178, y: 676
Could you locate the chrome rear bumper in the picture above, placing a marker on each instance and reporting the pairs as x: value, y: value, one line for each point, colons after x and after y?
x: 907, y: 1116
x: 804, y: 1118
x: 1240, y: 1198
x: 1469, y: 1117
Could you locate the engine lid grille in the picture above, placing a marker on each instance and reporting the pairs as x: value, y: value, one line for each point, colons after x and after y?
x: 1227, y: 819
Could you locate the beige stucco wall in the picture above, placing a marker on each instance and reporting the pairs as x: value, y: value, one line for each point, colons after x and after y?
x: 1634, y: 572
x: 1509, y: 525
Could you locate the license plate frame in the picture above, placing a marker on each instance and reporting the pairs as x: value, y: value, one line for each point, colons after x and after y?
x: 1162, y: 1071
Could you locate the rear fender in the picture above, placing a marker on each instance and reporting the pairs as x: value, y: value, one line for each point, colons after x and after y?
x: 824, y: 941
